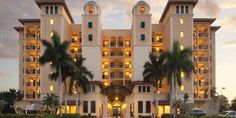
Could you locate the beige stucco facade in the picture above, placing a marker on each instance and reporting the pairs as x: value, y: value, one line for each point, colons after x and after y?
x: 116, y: 57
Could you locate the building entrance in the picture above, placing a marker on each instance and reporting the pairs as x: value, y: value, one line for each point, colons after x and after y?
x: 117, y: 98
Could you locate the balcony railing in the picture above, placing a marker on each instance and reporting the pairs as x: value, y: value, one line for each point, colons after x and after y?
x: 116, y: 65
x: 203, y: 47
x: 203, y: 58
x: 32, y: 71
x: 30, y: 35
x: 201, y: 72
x: 32, y: 84
x: 116, y: 76
x: 204, y: 34
x: 116, y: 54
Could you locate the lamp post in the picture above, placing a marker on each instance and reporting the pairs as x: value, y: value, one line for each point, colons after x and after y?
x: 222, y: 88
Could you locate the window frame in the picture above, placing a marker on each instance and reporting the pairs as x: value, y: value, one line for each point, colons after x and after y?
x: 148, y: 106
x: 90, y: 37
x: 85, y: 106
x: 90, y: 25
x: 93, y: 106
x: 140, y: 106
x: 142, y: 24
x: 142, y: 37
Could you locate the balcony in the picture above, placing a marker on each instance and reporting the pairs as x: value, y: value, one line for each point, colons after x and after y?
x: 32, y: 96
x: 203, y: 35
x: 116, y: 76
x: 32, y: 84
x: 119, y: 65
x: 32, y: 71
x: 31, y: 59
x: 202, y: 59
x: 30, y: 35
x: 30, y: 47
x: 117, y: 54
x: 203, y: 71
x: 203, y: 47
x: 156, y: 40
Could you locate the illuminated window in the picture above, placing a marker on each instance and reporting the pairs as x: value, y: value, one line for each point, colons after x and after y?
x: 181, y: 21
x: 182, y: 34
x: 91, y: 10
x: 181, y: 47
x: 51, y: 88
x: 182, y: 87
x: 51, y: 21
x: 51, y: 34
x: 142, y: 10
x: 181, y: 74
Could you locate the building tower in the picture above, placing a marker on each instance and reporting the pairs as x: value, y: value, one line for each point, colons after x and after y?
x: 55, y: 18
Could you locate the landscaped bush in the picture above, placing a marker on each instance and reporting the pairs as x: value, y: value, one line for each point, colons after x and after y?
x: 215, y: 117
x: 140, y: 116
x: 177, y: 116
x: 27, y: 116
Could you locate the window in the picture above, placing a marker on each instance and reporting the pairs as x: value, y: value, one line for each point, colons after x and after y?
x: 177, y: 9
x: 182, y: 9
x: 142, y: 10
x: 90, y: 24
x: 51, y: 21
x: 51, y: 88
x: 186, y: 9
x: 85, y: 106
x: 140, y: 106
x: 90, y: 37
x: 181, y: 21
x: 47, y: 10
x: 51, y: 9
x: 139, y: 89
x: 91, y: 10
x: 144, y: 88
x: 182, y: 87
x: 148, y: 107
x: 181, y: 47
x: 56, y: 9
x: 142, y: 37
x: 142, y: 24
x: 148, y: 89
x: 93, y: 89
x: 93, y: 106
x: 181, y: 34
x: 182, y: 74
x: 51, y: 34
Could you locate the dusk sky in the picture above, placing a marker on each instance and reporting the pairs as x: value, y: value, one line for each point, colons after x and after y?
x: 117, y: 14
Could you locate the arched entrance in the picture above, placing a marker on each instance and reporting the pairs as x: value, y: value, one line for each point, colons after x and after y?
x: 118, y: 101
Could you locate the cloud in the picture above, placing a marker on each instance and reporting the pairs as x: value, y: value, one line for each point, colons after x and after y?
x: 209, y: 7
x: 231, y: 43
x: 3, y: 73
x: 228, y: 23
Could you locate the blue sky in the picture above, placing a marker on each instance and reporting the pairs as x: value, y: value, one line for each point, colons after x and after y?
x: 113, y: 12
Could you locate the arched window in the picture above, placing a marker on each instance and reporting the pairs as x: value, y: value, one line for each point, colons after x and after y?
x: 112, y: 41
x: 142, y: 9
x: 91, y: 10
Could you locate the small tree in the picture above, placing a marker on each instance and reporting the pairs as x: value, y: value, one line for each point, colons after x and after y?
x: 224, y: 103
x: 2, y: 104
x: 233, y: 104
x: 51, y: 103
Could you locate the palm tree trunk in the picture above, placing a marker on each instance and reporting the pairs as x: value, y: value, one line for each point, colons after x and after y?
x: 156, y: 101
x: 60, y: 92
x: 76, y: 101
x: 65, y: 95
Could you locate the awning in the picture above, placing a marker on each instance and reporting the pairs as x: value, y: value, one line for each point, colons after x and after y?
x: 116, y: 92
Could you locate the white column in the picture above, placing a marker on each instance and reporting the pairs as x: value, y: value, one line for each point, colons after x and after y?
x: 104, y: 102
x: 127, y: 107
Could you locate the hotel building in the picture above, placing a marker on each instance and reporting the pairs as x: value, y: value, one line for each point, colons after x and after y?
x: 117, y: 56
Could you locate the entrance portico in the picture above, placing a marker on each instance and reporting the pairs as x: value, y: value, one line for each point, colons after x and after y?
x: 116, y: 101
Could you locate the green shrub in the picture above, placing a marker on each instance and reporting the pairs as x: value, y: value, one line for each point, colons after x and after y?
x: 215, y: 117
x: 140, y: 116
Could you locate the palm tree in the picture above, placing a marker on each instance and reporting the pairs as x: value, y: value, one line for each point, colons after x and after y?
x: 56, y: 54
x: 80, y: 77
x: 51, y: 103
x: 177, y: 61
x: 153, y: 72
